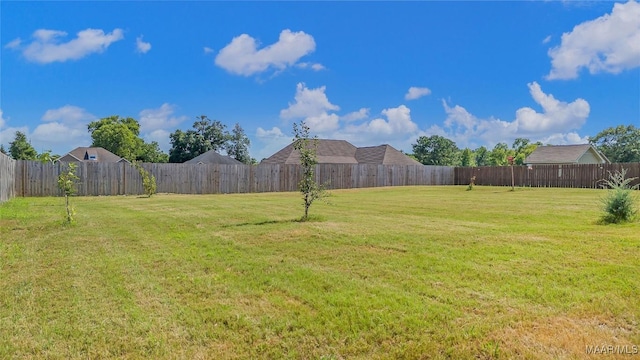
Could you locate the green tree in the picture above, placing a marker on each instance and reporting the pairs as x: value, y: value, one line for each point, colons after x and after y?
x: 3, y: 150
x: 499, y: 154
x: 206, y: 135
x: 20, y: 149
x: 67, y: 184
x: 619, y: 144
x: 118, y: 135
x: 522, y: 148
x: 308, y: 147
x: 436, y: 150
x: 467, y: 158
x: 482, y: 156
x: 238, y: 145
x: 151, y: 153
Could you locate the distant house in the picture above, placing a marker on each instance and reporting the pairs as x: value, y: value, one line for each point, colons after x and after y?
x: 212, y: 157
x: 343, y: 152
x: 91, y: 154
x: 566, y: 154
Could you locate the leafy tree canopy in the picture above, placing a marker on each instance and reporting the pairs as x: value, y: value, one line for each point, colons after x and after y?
x: 206, y: 135
x: 121, y: 136
x: 238, y: 145
x: 436, y: 150
x: 619, y: 144
x: 21, y: 149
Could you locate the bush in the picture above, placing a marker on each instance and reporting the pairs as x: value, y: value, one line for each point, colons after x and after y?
x: 619, y: 203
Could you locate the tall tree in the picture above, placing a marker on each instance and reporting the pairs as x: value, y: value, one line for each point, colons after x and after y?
x: 436, y: 150
x: 482, y: 156
x: 151, y: 153
x: 206, y: 135
x: 238, y: 145
x: 118, y: 135
x: 467, y: 158
x: 21, y: 149
x: 522, y: 148
x: 619, y: 144
x: 499, y: 154
x: 3, y: 150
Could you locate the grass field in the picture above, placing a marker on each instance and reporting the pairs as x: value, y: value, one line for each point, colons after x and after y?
x: 408, y: 272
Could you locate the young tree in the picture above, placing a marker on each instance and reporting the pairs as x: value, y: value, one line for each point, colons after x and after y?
x: 20, y: 149
x: 436, y: 150
x: 3, y: 150
x: 238, y: 145
x: 307, y: 146
x: 67, y: 183
x: 619, y: 144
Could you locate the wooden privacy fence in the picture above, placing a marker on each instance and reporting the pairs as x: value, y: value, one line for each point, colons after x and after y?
x: 569, y: 176
x: 7, y: 177
x: 38, y: 179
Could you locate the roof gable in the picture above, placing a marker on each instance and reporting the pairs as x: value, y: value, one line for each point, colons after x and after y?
x: 91, y: 154
x: 212, y: 157
x: 562, y: 154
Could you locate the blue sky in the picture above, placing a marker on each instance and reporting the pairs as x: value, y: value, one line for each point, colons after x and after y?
x: 372, y: 73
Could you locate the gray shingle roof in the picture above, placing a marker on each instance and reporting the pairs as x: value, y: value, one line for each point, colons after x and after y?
x: 96, y: 154
x: 343, y: 152
x: 212, y: 157
x: 561, y: 154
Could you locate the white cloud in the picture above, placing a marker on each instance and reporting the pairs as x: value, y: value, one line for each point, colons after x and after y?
x: 141, y: 46
x: 160, y: 118
x: 208, y: 50
x: 270, y: 141
x: 64, y: 129
x: 363, y: 113
x: 416, y: 93
x: 242, y: 57
x: 309, y: 103
x: 398, y: 124
x: 14, y: 44
x: 68, y: 114
x: 546, y: 40
x: 557, y: 115
x: 555, y: 124
x: 564, y: 139
x: 274, y: 132
x: 610, y: 43
x: 312, y: 66
x: 2, y: 121
x: 160, y: 136
x: 47, y: 48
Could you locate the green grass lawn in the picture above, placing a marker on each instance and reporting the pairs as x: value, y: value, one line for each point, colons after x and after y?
x: 407, y: 272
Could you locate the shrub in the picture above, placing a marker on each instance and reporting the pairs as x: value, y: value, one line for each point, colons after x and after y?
x: 619, y: 203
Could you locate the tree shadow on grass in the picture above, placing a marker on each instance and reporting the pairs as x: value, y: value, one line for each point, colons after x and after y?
x: 270, y: 222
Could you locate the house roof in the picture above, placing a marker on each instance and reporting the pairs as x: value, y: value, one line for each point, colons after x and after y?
x: 212, y: 157
x: 328, y: 152
x: 384, y: 155
x: 91, y: 154
x: 343, y: 152
x: 562, y: 154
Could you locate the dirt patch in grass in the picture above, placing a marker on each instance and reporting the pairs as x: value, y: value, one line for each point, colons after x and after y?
x: 564, y: 337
